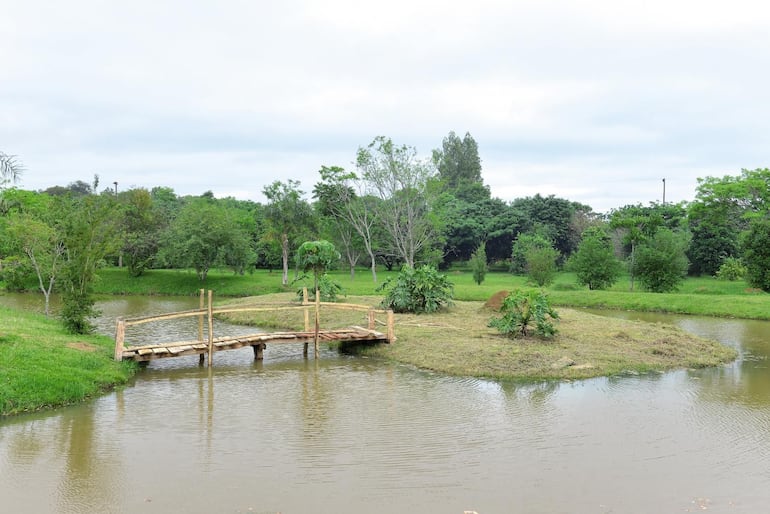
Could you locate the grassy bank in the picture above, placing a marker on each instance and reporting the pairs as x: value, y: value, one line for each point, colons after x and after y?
x: 458, y: 341
x: 41, y: 366
x: 701, y: 296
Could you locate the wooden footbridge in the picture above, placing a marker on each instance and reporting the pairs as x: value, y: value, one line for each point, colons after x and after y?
x: 143, y: 351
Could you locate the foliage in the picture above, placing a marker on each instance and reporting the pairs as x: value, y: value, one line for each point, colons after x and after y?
x: 594, y: 263
x: 522, y: 246
x: 731, y: 269
x: 458, y: 164
x: 329, y: 289
x: 288, y: 218
x: 400, y: 182
x: 318, y: 256
x: 142, y: 227
x: 10, y: 168
x: 417, y: 290
x: 712, y: 243
x: 16, y: 273
x: 521, y: 310
x: 552, y: 218
x: 204, y: 235
x: 478, y: 264
x: 541, y: 265
x: 661, y: 262
x: 88, y: 231
x: 756, y: 253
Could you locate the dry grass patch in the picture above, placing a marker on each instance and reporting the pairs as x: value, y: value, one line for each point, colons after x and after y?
x: 457, y: 341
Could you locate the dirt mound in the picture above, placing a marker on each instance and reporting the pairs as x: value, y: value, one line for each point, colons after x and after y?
x: 496, y: 300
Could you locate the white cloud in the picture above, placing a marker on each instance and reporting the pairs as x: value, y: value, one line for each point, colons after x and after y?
x: 594, y: 101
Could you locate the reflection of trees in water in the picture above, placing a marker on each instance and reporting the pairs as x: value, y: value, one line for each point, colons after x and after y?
x: 90, y: 481
x: 315, y: 400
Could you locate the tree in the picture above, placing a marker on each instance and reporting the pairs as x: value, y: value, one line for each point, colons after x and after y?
x: 41, y: 244
x: 88, y: 229
x: 287, y: 215
x: 756, y: 253
x: 353, y: 219
x: 10, y: 169
x: 594, y: 261
x: 479, y: 264
x: 541, y: 264
x: 142, y: 226
x: 316, y: 256
x: 400, y: 181
x: 521, y: 248
x: 661, y: 261
x: 553, y: 218
x: 203, y: 235
x: 636, y: 223
x: 459, y: 167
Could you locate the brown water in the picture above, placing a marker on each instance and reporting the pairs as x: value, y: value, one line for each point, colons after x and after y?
x: 352, y: 435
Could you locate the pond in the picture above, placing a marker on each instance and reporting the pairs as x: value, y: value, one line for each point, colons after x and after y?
x: 351, y: 435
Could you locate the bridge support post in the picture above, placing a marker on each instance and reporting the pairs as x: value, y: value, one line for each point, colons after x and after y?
x: 211, y: 327
x: 258, y: 349
x: 120, y: 337
x: 391, y: 327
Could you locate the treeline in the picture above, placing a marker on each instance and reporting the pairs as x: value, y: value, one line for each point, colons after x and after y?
x: 392, y: 209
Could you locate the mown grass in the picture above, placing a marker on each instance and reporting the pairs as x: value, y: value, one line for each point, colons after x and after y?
x: 457, y: 341
x: 701, y: 296
x: 41, y: 366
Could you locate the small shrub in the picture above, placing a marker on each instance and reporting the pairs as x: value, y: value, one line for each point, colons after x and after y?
x: 417, y: 290
x: 523, y: 309
x: 541, y: 265
x: 731, y: 269
x: 478, y: 264
x: 330, y: 289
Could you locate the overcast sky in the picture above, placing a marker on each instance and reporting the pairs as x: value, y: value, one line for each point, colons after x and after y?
x: 594, y: 101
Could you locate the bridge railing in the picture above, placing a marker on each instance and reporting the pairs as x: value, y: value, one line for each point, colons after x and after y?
x: 206, y: 312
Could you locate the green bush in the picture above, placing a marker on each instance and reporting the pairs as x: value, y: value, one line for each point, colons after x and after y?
x: 594, y: 262
x: 478, y: 264
x: 661, y: 262
x: 417, y: 290
x: 523, y: 309
x: 731, y: 269
x: 541, y: 265
x: 756, y: 254
x: 330, y: 289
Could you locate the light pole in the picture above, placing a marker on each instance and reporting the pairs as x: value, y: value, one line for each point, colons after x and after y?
x: 116, y: 188
x: 664, y: 191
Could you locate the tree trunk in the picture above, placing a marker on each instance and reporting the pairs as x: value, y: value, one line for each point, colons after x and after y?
x: 285, y: 256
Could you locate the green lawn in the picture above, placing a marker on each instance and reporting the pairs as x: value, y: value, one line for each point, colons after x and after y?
x: 703, y: 296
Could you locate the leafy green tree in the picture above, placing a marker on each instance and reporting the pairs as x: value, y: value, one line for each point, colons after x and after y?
x: 395, y: 176
x: 417, y: 290
x: 203, y: 235
x: 317, y: 257
x: 661, y: 261
x: 551, y: 217
x: 352, y: 218
x: 44, y: 248
x: 521, y: 248
x: 479, y: 265
x: 756, y: 253
x: 89, y: 231
x: 459, y: 167
x: 142, y: 227
x: 594, y: 262
x: 731, y: 269
x: 541, y: 264
x: 288, y: 216
x: 523, y: 309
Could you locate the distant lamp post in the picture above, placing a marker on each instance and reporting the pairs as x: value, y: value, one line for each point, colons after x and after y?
x: 116, y: 189
x: 664, y: 191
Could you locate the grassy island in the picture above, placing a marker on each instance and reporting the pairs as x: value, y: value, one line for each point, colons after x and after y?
x: 457, y: 341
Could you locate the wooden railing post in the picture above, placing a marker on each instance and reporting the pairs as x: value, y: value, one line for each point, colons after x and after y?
x: 370, y: 316
x: 391, y: 327
x: 201, y: 306
x: 317, y: 320
x: 211, y: 328
x: 120, y: 338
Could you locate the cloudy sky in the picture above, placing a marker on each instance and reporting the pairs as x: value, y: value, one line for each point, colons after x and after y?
x: 595, y: 101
